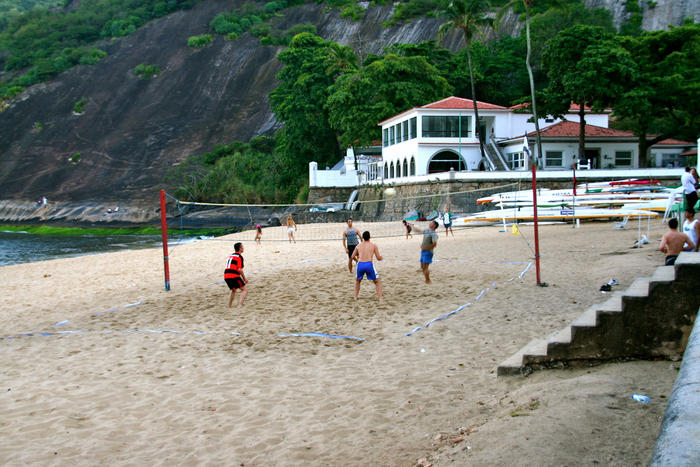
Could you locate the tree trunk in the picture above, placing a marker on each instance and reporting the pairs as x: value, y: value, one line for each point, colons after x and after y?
x: 476, y: 110
x: 582, y: 130
x: 532, y: 84
x: 643, y: 147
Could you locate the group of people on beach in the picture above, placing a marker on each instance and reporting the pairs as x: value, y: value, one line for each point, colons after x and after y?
x: 364, y: 251
x: 675, y: 241
x: 359, y: 249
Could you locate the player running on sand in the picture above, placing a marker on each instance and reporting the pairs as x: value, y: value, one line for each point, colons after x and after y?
x: 234, y: 276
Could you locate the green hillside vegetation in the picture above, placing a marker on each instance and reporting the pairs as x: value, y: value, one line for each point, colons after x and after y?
x: 42, y: 43
x: 11, y: 9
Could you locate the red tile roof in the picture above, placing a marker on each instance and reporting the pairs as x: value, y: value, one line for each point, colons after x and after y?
x: 568, y: 129
x: 673, y: 142
x: 573, y: 108
x: 693, y: 152
x: 453, y: 102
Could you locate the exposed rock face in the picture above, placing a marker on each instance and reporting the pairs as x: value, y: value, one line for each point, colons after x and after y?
x: 133, y: 130
x: 657, y: 14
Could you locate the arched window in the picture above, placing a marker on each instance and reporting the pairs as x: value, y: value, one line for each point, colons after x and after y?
x: 391, y: 170
x: 398, y: 169
x: 405, y: 168
x: 444, y: 161
x: 386, y: 171
x: 413, y: 165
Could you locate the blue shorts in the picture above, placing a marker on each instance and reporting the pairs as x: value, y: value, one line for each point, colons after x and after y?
x: 366, y: 267
x: 447, y: 226
x: 426, y: 256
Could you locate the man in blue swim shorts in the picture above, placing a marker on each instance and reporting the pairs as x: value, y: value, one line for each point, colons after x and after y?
x: 364, y: 253
x: 430, y: 238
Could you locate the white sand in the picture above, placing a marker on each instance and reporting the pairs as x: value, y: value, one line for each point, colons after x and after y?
x: 226, y: 389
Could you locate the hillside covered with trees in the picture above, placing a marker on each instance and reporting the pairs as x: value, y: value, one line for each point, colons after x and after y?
x: 229, y: 101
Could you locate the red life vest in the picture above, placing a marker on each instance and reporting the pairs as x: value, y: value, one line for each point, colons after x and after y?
x: 233, y: 266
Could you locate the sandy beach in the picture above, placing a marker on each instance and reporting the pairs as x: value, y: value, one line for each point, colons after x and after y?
x: 128, y: 373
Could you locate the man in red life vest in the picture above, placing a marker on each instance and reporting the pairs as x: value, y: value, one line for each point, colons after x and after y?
x: 234, y: 276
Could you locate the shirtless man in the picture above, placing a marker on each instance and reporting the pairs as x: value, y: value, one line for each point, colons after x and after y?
x: 364, y: 253
x: 672, y: 242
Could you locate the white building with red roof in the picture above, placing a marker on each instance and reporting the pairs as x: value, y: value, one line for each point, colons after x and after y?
x: 441, y: 137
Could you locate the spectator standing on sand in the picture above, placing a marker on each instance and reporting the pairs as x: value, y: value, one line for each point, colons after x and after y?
x: 291, y: 228
x: 447, y: 220
x: 258, y: 234
x: 408, y: 227
x: 364, y: 253
x: 689, y: 181
x: 691, y: 227
x: 430, y: 238
x: 234, y: 276
x: 673, y: 242
x: 351, y: 238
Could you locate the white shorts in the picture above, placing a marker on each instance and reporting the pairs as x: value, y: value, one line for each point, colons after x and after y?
x: 290, y: 230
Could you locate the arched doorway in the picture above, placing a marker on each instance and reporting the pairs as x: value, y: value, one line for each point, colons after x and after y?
x: 444, y: 161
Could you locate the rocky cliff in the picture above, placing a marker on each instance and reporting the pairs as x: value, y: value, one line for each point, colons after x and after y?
x: 132, y: 130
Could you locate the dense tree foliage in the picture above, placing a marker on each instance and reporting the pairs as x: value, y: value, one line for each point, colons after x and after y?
x: 385, y: 87
x: 470, y: 17
x: 234, y: 173
x: 48, y: 42
x: 311, y: 67
x: 11, y: 9
x: 664, y: 96
x: 588, y: 67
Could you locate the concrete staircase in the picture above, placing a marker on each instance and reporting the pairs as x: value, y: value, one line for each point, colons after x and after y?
x: 652, y: 318
x: 494, y: 157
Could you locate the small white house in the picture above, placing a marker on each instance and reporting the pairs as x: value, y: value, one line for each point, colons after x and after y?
x: 441, y: 137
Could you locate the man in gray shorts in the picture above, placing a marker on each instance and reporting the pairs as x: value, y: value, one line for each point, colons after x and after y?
x: 351, y: 238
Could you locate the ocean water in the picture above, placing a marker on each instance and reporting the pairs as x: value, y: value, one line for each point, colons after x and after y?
x: 22, y: 247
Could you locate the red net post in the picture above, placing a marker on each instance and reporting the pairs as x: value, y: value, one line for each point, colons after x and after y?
x: 164, y: 232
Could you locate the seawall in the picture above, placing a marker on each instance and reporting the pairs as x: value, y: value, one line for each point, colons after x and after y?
x: 62, y: 213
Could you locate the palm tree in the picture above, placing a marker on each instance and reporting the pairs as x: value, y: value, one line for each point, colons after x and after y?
x: 528, y: 4
x: 469, y: 16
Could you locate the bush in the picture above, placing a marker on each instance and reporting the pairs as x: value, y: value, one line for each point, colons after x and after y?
x: 92, y: 56
x: 75, y: 158
x: 78, y: 107
x: 146, y: 71
x: 198, y: 42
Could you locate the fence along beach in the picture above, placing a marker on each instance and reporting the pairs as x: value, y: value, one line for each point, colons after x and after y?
x: 119, y: 371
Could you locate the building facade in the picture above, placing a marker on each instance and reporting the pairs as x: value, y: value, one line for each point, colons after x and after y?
x: 442, y: 137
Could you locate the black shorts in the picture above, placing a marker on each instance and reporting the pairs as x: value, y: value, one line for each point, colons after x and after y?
x: 351, y: 249
x: 235, y: 283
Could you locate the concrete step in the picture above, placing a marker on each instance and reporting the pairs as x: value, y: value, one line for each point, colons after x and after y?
x: 664, y: 274
x: 603, y: 331
x: 639, y: 288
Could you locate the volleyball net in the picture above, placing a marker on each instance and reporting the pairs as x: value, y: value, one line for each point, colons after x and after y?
x: 370, y: 208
